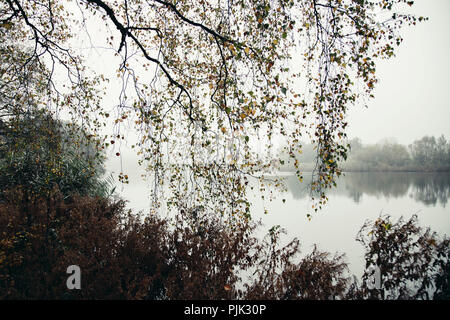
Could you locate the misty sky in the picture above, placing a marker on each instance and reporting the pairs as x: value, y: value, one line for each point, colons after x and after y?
x: 412, y: 96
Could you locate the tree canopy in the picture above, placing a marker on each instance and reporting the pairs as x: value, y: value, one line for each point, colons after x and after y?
x: 205, y: 82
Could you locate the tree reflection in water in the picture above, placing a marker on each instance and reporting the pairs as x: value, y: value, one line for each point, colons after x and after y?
x: 428, y: 188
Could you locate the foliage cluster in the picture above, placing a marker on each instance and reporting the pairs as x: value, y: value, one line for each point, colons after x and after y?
x: 425, y: 154
x: 124, y: 256
x: 414, y: 262
x: 431, y: 151
x: 202, y: 82
x: 38, y: 152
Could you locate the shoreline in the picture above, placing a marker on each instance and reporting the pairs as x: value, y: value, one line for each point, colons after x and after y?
x: 390, y: 170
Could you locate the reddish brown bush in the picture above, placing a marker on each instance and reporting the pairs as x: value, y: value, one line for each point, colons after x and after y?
x: 123, y: 256
x: 414, y: 262
x: 40, y: 238
x: 192, y: 256
x: 278, y: 276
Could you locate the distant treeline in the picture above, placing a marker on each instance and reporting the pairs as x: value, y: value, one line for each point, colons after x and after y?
x: 426, y: 154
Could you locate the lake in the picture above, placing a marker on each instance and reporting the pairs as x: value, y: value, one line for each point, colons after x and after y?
x: 358, y: 197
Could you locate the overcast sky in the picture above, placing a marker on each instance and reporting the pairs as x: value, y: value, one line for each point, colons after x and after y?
x: 412, y: 96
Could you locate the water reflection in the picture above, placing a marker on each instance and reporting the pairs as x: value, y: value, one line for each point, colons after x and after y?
x: 430, y: 189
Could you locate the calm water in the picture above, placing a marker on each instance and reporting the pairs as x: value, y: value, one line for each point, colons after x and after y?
x: 358, y: 197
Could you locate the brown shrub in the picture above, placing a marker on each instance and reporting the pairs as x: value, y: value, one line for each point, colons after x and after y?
x: 414, y: 262
x: 317, y: 276
x: 124, y: 256
x: 42, y: 237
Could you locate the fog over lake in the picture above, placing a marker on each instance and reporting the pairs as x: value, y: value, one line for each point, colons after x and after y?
x: 357, y: 197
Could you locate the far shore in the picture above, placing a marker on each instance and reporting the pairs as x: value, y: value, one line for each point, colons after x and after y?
x: 308, y: 167
x: 393, y: 170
